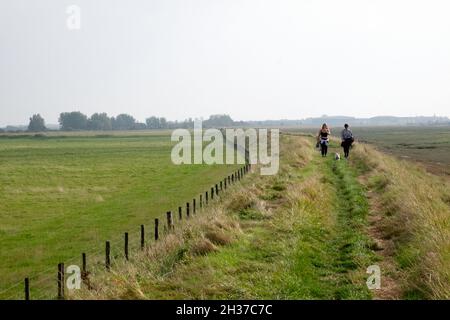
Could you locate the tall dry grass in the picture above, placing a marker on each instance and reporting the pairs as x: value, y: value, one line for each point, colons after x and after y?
x: 200, y: 235
x: 415, y: 211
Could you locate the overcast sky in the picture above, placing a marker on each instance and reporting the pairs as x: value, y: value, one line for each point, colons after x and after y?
x: 252, y: 59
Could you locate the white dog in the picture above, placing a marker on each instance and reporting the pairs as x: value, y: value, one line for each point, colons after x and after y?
x: 337, y: 156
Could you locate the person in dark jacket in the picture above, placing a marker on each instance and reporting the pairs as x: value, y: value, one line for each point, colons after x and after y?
x: 347, y: 140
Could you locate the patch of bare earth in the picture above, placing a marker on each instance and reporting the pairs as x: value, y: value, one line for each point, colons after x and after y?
x: 384, y: 247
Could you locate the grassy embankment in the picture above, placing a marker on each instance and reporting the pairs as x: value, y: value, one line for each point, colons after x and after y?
x: 297, y: 235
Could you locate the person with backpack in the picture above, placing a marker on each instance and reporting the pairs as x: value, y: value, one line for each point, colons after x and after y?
x: 347, y: 140
x: 323, y: 139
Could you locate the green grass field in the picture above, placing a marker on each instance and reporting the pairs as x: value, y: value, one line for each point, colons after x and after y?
x: 61, y: 195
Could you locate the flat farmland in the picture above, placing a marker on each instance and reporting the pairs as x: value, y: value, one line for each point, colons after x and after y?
x: 63, y: 194
x: 427, y: 145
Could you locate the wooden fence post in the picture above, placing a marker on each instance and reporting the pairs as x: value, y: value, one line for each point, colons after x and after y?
x: 232, y: 177
x: 225, y: 183
x: 229, y: 179
x: 201, y: 202
x: 180, y: 214
x: 193, y: 206
x: 156, y: 229
x: 169, y: 221
x: 187, y: 209
x: 217, y: 190
x: 108, y: 255
x: 221, y: 185
x: 83, y: 263
x: 27, y: 289
x: 61, y: 281
x: 212, y: 194
x: 142, y: 237
x: 126, y: 246
x: 84, y: 272
x: 206, y: 197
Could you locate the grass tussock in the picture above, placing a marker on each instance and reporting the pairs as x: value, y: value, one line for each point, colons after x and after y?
x: 240, y: 201
x: 203, y: 247
x: 296, y: 151
x: 415, y: 215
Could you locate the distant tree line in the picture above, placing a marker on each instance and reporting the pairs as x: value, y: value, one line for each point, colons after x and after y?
x: 75, y: 120
x: 102, y: 122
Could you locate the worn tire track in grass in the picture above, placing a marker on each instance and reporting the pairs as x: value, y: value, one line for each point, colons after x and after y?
x: 351, y: 240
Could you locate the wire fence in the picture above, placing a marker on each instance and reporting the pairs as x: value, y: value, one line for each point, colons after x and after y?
x: 50, y: 283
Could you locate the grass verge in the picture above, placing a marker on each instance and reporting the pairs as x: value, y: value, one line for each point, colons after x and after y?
x: 414, y: 215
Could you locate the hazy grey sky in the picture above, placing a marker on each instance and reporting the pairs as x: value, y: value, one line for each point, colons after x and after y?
x: 252, y: 59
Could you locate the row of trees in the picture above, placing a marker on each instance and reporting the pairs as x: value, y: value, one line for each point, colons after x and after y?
x: 98, y: 121
x: 76, y: 120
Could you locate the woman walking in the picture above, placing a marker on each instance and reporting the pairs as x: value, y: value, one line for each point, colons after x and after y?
x: 323, y: 139
x: 347, y: 140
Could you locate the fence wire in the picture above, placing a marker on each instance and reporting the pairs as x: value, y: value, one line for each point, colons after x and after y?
x: 43, y: 285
